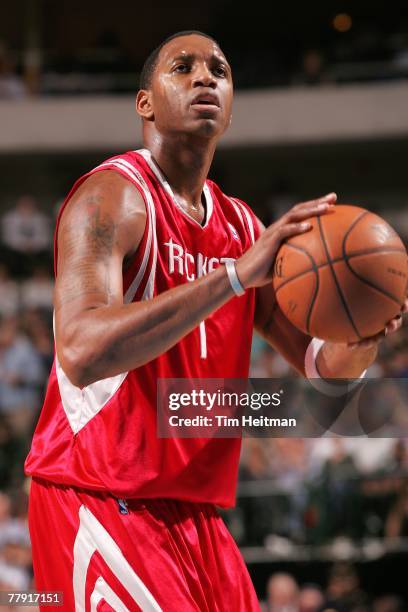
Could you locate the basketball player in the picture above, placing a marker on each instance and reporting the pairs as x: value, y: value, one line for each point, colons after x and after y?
x: 159, y: 274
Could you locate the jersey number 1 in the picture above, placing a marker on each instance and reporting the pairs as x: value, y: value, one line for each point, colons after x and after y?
x: 203, y: 341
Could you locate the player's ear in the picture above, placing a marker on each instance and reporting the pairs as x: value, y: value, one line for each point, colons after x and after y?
x: 144, y: 106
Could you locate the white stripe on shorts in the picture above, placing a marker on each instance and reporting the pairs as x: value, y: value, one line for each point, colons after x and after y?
x: 91, y: 537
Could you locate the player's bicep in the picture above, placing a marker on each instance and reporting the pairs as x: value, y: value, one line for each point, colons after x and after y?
x: 89, y: 262
x: 103, y: 223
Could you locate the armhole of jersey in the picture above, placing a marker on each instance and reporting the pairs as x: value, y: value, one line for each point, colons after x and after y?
x: 142, y: 281
x: 247, y: 218
x: 146, y: 252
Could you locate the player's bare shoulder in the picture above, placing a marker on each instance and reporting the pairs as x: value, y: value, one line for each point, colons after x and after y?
x: 106, y: 214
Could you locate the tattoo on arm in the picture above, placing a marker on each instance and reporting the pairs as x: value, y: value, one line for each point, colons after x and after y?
x: 100, y: 232
x: 88, y: 271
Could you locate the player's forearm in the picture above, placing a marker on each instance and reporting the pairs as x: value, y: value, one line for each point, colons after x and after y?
x: 332, y: 361
x: 344, y: 361
x: 108, y: 340
x: 286, y: 340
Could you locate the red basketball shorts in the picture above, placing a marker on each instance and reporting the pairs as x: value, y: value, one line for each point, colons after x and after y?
x: 105, y: 554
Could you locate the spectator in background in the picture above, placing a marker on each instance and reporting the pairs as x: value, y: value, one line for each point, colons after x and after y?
x: 399, y: 364
x: 256, y: 460
x: 37, y: 325
x: 15, y: 544
x: 11, y: 85
x: 289, y: 461
x: 399, y: 459
x: 310, y: 598
x: 343, y: 591
x: 26, y: 232
x: 312, y: 69
x: 282, y: 594
x: 15, y: 548
x: 388, y: 603
x: 12, y: 455
x: 256, y: 466
x: 5, y: 515
x: 9, y: 293
x: 14, y: 530
x: 334, y: 499
x: 394, y: 356
x: 37, y: 291
x: 397, y: 521
x: 21, y: 375
x: 368, y: 454
x: 13, y: 579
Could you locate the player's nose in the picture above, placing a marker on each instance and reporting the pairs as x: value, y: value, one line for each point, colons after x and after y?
x: 203, y: 77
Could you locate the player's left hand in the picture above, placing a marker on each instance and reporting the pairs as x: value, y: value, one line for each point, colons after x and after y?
x: 392, y: 326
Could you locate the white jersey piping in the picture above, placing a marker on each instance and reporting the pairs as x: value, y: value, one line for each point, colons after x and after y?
x: 242, y: 208
x: 145, y: 153
x: 136, y: 177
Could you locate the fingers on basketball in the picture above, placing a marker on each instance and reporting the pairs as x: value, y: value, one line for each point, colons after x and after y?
x: 345, y: 280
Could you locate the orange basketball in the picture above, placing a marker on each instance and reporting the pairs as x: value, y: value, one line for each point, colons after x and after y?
x: 345, y: 278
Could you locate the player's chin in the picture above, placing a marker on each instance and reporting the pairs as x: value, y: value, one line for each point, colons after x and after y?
x: 208, y: 125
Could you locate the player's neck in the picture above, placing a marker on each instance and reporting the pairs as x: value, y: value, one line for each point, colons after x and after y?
x: 185, y: 164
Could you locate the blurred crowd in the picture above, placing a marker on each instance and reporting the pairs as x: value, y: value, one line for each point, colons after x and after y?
x: 15, y: 548
x: 391, y: 362
x: 341, y: 54
x: 339, y: 493
x: 26, y: 341
x: 342, y: 592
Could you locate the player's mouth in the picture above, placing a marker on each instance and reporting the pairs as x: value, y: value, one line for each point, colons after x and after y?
x: 206, y: 101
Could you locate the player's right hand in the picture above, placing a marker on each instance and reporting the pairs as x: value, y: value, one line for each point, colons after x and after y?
x: 255, y: 266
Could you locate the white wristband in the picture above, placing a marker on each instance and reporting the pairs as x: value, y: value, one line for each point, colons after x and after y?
x: 317, y: 381
x: 233, y: 277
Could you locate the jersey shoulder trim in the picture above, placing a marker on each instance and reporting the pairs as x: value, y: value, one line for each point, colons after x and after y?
x: 246, y: 216
x: 143, y: 280
x: 130, y: 171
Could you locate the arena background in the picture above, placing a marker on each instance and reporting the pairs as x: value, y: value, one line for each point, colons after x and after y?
x: 321, y: 105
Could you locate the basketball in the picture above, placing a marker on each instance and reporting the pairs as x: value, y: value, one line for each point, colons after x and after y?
x: 345, y: 279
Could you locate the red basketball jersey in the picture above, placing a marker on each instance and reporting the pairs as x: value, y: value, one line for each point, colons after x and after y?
x: 104, y: 436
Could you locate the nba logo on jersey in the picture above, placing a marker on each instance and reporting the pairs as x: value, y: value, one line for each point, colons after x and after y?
x: 233, y: 231
x: 123, y: 509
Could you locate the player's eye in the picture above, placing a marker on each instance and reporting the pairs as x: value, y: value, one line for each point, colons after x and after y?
x: 220, y: 71
x: 182, y: 68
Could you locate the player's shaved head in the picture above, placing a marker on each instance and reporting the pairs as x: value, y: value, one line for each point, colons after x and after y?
x: 151, y: 62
